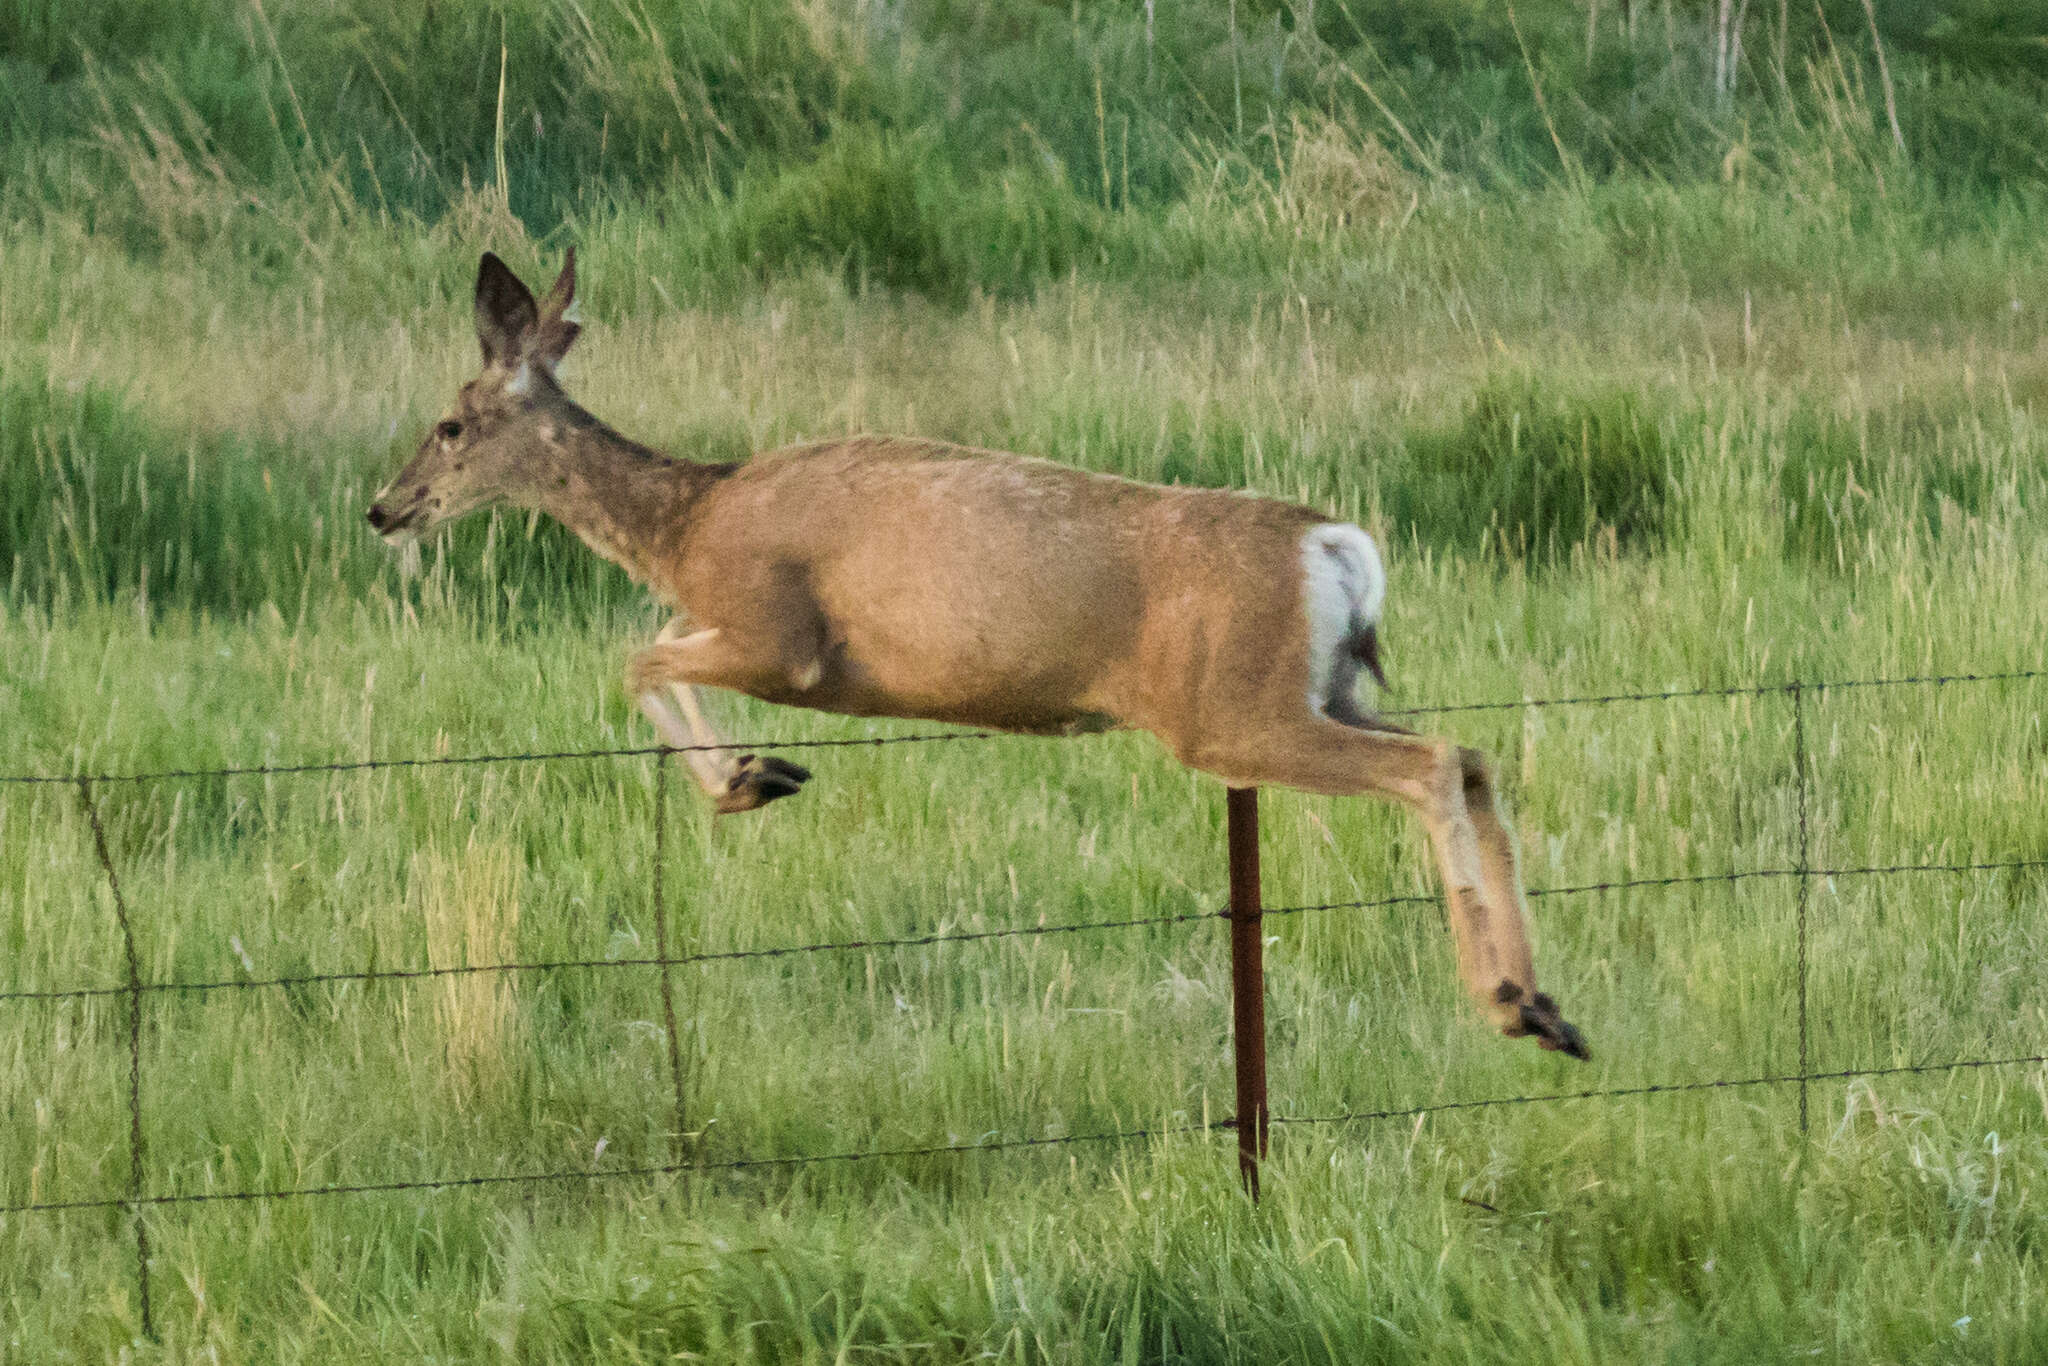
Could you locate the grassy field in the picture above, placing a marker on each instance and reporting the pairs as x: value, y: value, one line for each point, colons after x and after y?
x: 1643, y: 385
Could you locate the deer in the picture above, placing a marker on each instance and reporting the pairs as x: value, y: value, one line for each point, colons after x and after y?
x: 890, y: 576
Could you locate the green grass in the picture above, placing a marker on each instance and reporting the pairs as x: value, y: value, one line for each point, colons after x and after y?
x: 1645, y: 386
x: 1667, y: 1224
x: 1686, y: 1227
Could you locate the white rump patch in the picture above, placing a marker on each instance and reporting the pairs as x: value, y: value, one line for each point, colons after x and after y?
x: 1344, y: 586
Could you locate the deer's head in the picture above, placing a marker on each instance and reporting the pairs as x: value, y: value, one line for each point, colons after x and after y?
x: 487, y: 448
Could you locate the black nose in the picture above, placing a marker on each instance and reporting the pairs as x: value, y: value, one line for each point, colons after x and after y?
x: 378, y: 518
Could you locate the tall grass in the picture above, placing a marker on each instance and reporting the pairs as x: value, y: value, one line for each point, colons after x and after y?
x: 226, y: 123
x: 1829, y: 489
x: 468, y: 906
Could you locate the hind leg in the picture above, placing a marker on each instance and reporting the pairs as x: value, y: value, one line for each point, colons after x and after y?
x: 1501, y: 879
x: 1520, y: 1011
x: 1474, y: 853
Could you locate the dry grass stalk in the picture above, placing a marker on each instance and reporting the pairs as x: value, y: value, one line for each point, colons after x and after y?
x: 469, y: 906
x: 1334, y: 176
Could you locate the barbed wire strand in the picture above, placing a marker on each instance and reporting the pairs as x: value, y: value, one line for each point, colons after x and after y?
x: 743, y: 1164
x: 941, y: 737
x: 1666, y: 1088
x: 613, y: 1173
x: 514, y: 757
x: 981, y: 936
x: 682, y: 960
x: 1734, y: 690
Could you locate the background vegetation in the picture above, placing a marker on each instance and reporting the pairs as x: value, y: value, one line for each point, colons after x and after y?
x: 1662, y: 344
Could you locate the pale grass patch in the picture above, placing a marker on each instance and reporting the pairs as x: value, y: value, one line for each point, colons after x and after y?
x: 468, y: 904
x: 480, y: 218
x: 186, y: 192
x: 340, y: 362
x: 1334, y: 176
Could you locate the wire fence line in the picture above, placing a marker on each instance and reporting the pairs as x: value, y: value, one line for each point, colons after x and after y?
x: 1216, y: 1126
x: 956, y: 736
x: 137, y: 1199
x: 659, y: 960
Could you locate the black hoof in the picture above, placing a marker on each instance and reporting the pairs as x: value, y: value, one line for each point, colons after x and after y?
x: 760, y: 779
x: 1537, y: 1018
x: 1551, y: 1031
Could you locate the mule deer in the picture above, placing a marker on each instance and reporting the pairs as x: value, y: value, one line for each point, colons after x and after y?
x: 886, y: 576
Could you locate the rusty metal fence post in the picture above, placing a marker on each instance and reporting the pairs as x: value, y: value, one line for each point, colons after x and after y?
x: 1247, y: 982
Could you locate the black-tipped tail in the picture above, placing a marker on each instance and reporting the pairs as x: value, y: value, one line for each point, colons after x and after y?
x: 1365, y: 647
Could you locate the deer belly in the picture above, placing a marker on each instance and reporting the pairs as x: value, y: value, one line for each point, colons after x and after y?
x: 971, y: 689
x: 981, y: 634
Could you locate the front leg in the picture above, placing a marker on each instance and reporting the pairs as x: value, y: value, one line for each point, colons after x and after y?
x: 671, y: 669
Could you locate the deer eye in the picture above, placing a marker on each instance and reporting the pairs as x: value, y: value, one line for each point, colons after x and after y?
x: 449, y: 429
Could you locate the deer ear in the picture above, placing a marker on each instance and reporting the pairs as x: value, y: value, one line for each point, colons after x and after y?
x: 505, y: 312
x: 557, y: 327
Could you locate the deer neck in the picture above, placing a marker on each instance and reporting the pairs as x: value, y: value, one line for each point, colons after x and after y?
x: 628, y: 502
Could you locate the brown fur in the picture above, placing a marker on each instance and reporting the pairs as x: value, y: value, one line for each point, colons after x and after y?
x: 888, y: 576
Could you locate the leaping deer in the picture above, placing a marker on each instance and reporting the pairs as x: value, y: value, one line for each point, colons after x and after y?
x: 888, y: 576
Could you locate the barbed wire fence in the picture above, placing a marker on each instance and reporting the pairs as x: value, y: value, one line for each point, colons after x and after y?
x: 135, y: 990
